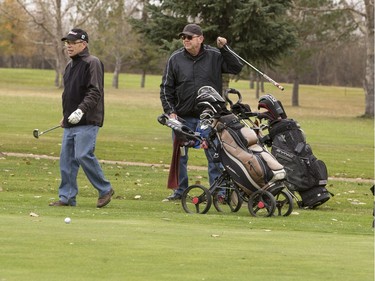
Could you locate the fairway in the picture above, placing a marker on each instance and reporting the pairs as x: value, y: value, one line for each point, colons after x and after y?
x: 147, y: 239
x: 160, y: 248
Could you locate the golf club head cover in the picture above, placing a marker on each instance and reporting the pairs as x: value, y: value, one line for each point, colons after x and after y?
x: 75, y: 117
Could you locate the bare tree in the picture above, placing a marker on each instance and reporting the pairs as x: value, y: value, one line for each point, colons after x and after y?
x: 52, y: 19
x: 116, y: 40
x: 364, y: 17
x: 369, y: 80
x: 320, y: 25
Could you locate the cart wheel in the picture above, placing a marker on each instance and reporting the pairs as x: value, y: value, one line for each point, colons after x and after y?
x: 262, y: 204
x: 196, y: 199
x: 227, y: 199
x: 284, y: 203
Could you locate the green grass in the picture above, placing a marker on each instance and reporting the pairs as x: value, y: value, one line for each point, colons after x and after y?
x: 147, y: 239
x: 328, y: 115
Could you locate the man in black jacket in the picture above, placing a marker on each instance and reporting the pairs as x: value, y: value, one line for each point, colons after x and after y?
x: 83, y: 114
x: 188, y: 69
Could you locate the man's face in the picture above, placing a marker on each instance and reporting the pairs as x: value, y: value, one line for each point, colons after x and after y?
x: 192, y: 43
x: 74, y: 47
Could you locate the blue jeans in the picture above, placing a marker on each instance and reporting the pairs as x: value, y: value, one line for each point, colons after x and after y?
x: 77, y: 149
x: 213, y: 168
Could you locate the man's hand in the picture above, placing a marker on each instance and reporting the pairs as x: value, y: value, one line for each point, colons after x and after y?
x: 75, y: 117
x: 221, y: 41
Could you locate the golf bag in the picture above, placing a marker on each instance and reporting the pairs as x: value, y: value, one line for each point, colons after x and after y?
x: 249, y: 165
x: 304, y: 172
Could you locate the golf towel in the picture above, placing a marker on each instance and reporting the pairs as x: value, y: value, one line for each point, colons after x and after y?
x: 175, y: 165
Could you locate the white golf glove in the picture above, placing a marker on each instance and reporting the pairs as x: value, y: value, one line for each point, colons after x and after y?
x: 75, y: 117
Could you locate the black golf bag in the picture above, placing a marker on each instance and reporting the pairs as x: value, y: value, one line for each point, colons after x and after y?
x: 304, y: 172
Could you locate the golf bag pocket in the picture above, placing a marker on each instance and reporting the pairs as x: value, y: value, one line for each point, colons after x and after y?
x: 318, y: 172
x: 250, y: 137
x: 245, y: 167
x: 295, y: 167
x: 314, y: 197
x: 270, y: 161
x: 303, y: 173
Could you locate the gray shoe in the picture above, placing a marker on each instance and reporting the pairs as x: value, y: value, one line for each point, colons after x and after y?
x: 173, y: 197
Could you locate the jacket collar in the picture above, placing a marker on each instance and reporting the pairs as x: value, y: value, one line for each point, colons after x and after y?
x: 85, y: 52
x: 201, y: 51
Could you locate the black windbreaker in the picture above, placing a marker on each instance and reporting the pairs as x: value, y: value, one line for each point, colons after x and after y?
x: 83, y: 89
x: 184, y: 74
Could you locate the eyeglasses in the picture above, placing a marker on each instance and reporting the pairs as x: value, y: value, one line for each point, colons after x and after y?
x: 68, y: 43
x: 188, y: 37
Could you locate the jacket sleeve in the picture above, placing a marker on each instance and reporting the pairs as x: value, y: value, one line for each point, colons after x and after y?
x: 95, y: 80
x: 168, y: 89
x: 231, y: 64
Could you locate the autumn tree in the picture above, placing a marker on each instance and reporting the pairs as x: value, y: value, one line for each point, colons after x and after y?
x: 14, y: 28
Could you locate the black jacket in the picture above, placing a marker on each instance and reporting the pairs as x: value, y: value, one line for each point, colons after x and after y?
x: 83, y: 89
x: 184, y: 74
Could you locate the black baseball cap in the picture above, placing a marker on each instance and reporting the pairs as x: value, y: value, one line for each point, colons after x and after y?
x: 76, y: 34
x: 191, y: 29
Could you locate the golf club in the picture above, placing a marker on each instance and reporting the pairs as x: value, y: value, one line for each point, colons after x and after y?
x: 257, y: 70
x: 36, y: 133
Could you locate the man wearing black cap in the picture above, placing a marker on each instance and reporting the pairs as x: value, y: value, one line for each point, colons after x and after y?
x: 83, y: 114
x: 188, y: 69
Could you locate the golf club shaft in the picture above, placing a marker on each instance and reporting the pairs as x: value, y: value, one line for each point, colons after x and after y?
x: 50, y: 129
x: 37, y: 134
x: 257, y: 70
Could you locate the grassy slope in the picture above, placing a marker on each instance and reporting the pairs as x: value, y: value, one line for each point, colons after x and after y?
x: 150, y: 240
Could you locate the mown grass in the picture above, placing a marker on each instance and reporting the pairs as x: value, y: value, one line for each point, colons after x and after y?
x: 328, y: 115
x: 147, y: 239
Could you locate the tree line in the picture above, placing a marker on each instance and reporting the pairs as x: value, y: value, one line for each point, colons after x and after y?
x: 316, y: 42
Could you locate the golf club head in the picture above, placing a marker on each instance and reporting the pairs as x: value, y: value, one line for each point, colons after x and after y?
x: 209, y: 94
x: 206, y: 104
x: 36, y: 133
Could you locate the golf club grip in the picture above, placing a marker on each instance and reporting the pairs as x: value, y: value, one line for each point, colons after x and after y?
x: 273, y: 82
